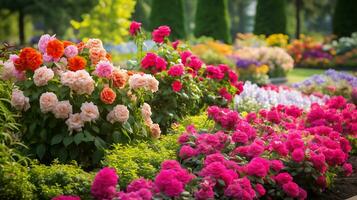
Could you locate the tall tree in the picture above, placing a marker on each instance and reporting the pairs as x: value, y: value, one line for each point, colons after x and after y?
x: 212, y: 19
x: 142, y: 13
x: 170, y: 13
x: 344, y: 19
x: 109, y: 20
x: 270, y: 17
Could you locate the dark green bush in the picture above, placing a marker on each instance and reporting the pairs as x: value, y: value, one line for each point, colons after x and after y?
x: 143, y: 159
x: 344, y: 19
x: 57, y: 179
x: 170, y: 13
x: 270, y: 17
x: 212, y: 19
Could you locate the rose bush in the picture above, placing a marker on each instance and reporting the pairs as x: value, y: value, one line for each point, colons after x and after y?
x: 74, y: 102
x: 187, y: 85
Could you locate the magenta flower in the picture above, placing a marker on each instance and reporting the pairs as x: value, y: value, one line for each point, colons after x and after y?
x: 159, y: 34
x: 104, y: 184
x: 176, y: 70
x: 134, y: 28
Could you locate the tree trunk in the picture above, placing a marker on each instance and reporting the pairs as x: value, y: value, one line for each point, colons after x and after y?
x: 21, y: 27
x: 298, y: 20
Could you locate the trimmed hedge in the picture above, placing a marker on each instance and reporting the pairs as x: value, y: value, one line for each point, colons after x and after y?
x: 212, y: 20
x: 270, y: 17
x: 170, y: 13
x: 345, y: 18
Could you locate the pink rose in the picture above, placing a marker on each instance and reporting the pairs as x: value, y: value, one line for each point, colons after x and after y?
x: 19, y: 101
x: 159, y: 34
x: 155, y: 130
x: 134, y: 28
x: 176, y: 70
x: 48, y: 101
x: 70, y: 51
x: 104, y: 69
x: 120, y: 113
x: 42, y: 75
x: 62, y: 110
x: 74, y: 122
x: 146, y: 113
x: 176, y: 86
x: 89, y: 112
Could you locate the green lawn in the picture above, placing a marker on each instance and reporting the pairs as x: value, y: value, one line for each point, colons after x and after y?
x: 297, y: 74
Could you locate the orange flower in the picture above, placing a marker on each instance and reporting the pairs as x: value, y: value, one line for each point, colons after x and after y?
x: 76, y: 63
x: 29, y: 59
x: 81, y: 46
x: 66, y: 43
x: 55, y: 48
x: 107, y: 95
x: 108, y: 56
x: 119, y: 78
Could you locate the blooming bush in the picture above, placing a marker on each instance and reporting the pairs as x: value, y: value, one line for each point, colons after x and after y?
x: 279, y: 62
x: 187, y: 85
x: 332, y: 83
x: 252, y: 70
x: 277, y: 40
x: 74, y: 102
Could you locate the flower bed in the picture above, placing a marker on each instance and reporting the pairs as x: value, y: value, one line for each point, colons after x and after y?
x: 332, y: 83
x: 267, y: 97
x: 283, y: 152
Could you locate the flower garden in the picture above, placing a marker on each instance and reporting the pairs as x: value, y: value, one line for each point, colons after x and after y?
x: 178, y: 119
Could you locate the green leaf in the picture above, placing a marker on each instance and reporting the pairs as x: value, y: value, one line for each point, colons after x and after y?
x: 95, y: 129
x: 116, y: 136
x: 127, y: 126
x: 40, y: 150
x: 97, y: 156
x: 99, y: 143
x: 67, y: 140
x: 88, y: 136
x: 78, y: 138
x: 62, y: 155
x: 56, y: 139
x: 43, y: 134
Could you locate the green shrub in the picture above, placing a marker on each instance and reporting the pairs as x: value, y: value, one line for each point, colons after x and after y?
x: 344, y: 19
x: 58, y: 179
x: 270, y: 17
x: 201, y: 122
x: 14, y: 178
x: 212, y: 19
x: 143, y: 159
x: 170, y: 13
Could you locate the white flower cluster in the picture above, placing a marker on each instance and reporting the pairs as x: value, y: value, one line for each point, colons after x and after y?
x: 270, y: 98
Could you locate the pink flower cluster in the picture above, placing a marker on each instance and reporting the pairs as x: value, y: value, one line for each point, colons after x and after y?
x: 104, y: 184
x: 159, y: 34
x: 153, y: 62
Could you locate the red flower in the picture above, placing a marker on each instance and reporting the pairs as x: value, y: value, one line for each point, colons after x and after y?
x: 176, y: 70
x: 55, y: 48
x: 29, y: 59
x: 176, y: 86
x: 159, y: 34
x: 76, y: 63
x: 134, y: 28
x: 107, y: 95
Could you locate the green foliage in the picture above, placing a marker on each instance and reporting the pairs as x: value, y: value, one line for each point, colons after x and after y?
x: 212, y: 19
x: 142, y: 13
x: 270, y: 17
x: 57, y: 179
x: 201, y: 122
x: 108, y: 20
x: 14, y: 178
x: 142, y: 159
x: 170, y: 13
x: 344, y: 19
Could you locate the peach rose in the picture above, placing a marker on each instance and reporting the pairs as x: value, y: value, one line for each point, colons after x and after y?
x: 42, y: 75
x: 97, y: 54
x: 62, y: 110
x: 120, y: 113
x: 152, y: 84
x: 19, y: 100
x: 68, y: 78
x: 94, y: 43
x: 48, y: 101
x: 107, y: 95
x: 119, y: 77
x: 155, y: 131
x: 74, y: 122
x: 89, y: 112
x: 146, y: 113
x: 7, y: 71
x: 137, y: 81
